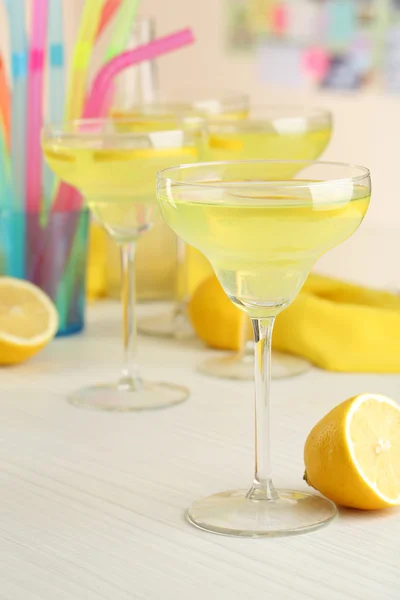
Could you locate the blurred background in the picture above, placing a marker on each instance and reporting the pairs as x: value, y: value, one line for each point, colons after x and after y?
x: 340, y: 54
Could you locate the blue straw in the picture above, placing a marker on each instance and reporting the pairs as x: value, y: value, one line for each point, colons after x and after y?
x: 56, y: 100
x: 16, y: 16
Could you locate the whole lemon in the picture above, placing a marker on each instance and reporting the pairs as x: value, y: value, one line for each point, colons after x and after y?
x: 215, y: 319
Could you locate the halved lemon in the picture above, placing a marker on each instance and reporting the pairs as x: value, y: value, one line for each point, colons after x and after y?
x: 352, y: 455
x: 28, y: 320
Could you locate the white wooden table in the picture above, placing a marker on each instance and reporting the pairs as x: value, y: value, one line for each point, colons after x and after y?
x: 92, y: 505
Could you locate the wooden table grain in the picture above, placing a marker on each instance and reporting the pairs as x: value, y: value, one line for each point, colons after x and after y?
x: 92, y: 505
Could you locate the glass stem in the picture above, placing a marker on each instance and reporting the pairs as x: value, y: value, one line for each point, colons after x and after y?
x: 262, y: 488
x: 129, y: 378
x: 246, y: 348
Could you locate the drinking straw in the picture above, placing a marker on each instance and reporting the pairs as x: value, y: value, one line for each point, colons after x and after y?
x: 125, y: 16
x: 35, y: 105
x: 55, y: 43
x: 4, y: 102
x: 55, y: 51
x: 122, y: 28
x: 71, y: 285
x: 121, y: 33
x: 81, y: 58
x: 5, y: 175
x: 17, y: 33
x: 6, y: 218
x: 97, y: 106
x: 16, y: 17
x: 109, y: 10
x: 5, y: 188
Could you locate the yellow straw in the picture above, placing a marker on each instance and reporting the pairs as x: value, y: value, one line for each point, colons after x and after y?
x: 81, y: 58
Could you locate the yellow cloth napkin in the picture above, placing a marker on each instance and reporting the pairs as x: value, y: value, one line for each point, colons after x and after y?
x: 342, y: 327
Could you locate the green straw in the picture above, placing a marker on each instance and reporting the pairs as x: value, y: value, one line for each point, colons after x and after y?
x: 70, y: 278
x: 120, y: 38
x: 83, y: 49
x: 122, y: 28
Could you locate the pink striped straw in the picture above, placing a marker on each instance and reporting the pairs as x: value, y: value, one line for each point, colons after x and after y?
x: 35, y: 105
x: 5, y: 115
x: 98, y: 102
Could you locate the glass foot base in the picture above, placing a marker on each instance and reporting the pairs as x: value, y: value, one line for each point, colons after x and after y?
x: 232, y: 513
x: 242, y: 367
x: 114, y: 397
x: 171, y: 325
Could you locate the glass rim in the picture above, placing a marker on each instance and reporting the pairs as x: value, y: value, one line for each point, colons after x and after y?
x: 280, y: 112
x: 69, y: 127
x: 365, y: 173
x: 208, y: 101
x: 267, y: 113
